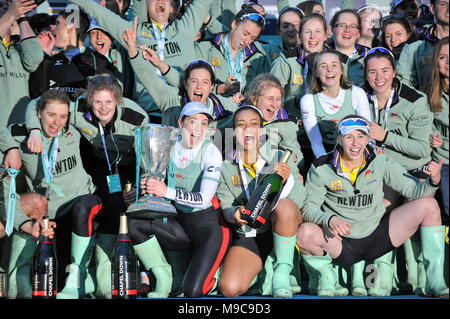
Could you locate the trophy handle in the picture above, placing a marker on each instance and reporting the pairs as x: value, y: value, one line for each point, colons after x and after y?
x: 176, y: 132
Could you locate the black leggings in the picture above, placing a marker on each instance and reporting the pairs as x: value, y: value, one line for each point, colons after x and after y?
x: 81, y: 220
x: 113, y: 203
x: 203, y: 232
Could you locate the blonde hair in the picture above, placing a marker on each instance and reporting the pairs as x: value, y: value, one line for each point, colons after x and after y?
x: 259, y: 84
x: 103, y: 82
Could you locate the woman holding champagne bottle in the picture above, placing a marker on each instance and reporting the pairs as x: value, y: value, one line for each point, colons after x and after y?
x: 250, y: 246
x: 58, y: 176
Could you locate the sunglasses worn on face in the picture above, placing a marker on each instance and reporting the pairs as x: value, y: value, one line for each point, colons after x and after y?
x: 259, y: 19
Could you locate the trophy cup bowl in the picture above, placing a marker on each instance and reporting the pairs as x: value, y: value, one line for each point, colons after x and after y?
x: 156, y: 145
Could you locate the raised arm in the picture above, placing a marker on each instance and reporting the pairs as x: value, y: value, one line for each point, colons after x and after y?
x: 113, y: 23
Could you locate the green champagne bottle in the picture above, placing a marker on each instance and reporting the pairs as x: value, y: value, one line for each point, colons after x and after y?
x: 264, y: 197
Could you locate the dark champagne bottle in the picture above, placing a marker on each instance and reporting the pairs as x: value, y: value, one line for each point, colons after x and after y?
x: 124, y: 270
x: 264, y: 197
x: 44, y: 271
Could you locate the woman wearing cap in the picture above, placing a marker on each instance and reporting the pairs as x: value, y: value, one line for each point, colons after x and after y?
x: 396, y: 32
x: 438, y: 100
x: 250, y: 246
x: 107, y: 122
x: 197, y: 86
x: 346, y: 215
x: 345, y: 27
x: 402, y: 123
x: 65, y: 190
x: 331, y: 98
x: 193, y: 176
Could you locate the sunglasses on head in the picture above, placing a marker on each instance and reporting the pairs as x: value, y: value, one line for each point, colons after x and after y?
x: 255, y: 17
x: 104, y: 77
x: 199, y: 61
x: 380, y: 49
x: 300, y: 11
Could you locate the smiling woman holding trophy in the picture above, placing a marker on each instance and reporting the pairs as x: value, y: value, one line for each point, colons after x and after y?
x: 192, y: 179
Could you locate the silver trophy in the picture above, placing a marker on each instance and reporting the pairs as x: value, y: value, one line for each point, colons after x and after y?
x: 155, y: 144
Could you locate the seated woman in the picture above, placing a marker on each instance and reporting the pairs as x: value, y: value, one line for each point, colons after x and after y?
x: 345, y: 213
x: 107, y: 122
x: 331, y: 98
x: 57, y: 174
x: 250, y: 246
x: 401, y: 125
x: 193, y: 176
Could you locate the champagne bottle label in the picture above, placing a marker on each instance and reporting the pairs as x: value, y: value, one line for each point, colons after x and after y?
x: 264, y: 197
x: 124, y: 278
x: 123, y: 270
x: 44, y: 284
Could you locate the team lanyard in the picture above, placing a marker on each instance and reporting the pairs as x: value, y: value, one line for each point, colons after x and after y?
x: 234, y: 65
x: 259, y: 164
x: 387, y: 108
x: 49, y: 164
x: 160, y: 36
x: 12, y: 200
x: 102, y: 134
x: 113, y: 180
x: 249, y: 231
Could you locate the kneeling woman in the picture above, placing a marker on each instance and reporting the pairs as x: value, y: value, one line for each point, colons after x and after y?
x: 59, y: 176
x: 193, y: 176
x: 238, y: 180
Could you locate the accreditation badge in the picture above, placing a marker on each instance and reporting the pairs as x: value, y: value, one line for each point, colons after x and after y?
x: 336, y: 185
x: 113, y: 182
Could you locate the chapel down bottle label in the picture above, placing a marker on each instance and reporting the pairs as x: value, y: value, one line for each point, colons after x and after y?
x: 264, y: 197
x: 124, y: 271
x: 44, y: 271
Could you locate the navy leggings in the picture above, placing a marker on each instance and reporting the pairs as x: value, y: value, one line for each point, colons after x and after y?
x: 204, y: 233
